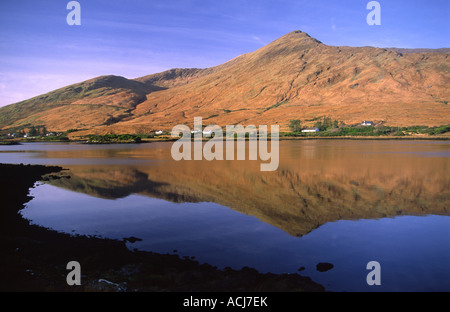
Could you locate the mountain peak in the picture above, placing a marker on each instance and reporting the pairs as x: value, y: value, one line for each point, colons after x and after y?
x: 298, y: 34
x: 293, y: 44
x: 295, y: 40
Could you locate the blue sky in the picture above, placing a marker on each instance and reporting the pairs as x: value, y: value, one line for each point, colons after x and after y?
x: 40, y: 52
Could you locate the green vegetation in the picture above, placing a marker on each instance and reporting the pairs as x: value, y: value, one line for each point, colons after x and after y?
x: 326, y: 124
x: 328, y: 128
x: 313, y: 119
x: 334, y: 128
x: 74, y: 130
x: 58, y: 137
x: 295, y: 125
x: 9, y: 143
x: 276, y: 105
x: 33, y: 133
x: 114, y: 138
x: 212, y: 116
x: 55, y: 138
x: 439, y: 130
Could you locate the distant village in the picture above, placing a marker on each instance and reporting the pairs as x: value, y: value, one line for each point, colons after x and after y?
x: 323, y: 127
x: 34, y: 132
x: 42, y: 131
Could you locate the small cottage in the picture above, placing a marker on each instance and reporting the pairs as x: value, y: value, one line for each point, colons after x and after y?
x: 310, y: 130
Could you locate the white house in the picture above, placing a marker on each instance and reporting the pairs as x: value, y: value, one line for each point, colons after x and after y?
x: 207, y: 134
x: 310, y: 130
x: 367, y: 123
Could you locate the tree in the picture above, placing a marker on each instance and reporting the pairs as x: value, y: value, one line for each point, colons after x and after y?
x: 327, y: 123
x: 335, y: 124
x: 323, y: 125
x: 33, y: 132
x: 295, y: 125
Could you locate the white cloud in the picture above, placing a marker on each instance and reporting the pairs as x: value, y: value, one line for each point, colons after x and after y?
x: 258, y: 40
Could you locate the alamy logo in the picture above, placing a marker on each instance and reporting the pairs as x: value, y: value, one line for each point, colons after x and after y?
x: 374, y: 276
x: 214, y: 148
x: 74, y: 276
x: 74, y: 16
x: 374, y: 16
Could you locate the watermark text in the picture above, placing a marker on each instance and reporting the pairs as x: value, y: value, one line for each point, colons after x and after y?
x: 213, y: 149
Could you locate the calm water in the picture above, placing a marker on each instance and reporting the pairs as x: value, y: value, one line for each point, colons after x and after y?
x: 342, y: 202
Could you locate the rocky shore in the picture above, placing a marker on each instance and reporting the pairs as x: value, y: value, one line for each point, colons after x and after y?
x: 35, y: 258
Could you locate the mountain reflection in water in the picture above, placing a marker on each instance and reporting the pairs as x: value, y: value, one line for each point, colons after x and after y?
x: 317, y: 181
x: 357, y: 201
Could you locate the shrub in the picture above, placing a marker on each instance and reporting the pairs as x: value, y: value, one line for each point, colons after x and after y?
x: 295, y: 125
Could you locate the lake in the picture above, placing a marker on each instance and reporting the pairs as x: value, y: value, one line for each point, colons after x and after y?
x: 344, y: 202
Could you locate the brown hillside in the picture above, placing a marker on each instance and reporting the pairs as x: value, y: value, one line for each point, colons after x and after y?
x: 294, y: 77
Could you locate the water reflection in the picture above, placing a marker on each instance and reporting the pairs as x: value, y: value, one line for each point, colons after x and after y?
x: 316, y: 183
x: 413, y: 251
x: 322, y: 188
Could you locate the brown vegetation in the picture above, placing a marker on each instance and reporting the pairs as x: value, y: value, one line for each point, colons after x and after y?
x: 294, y: 77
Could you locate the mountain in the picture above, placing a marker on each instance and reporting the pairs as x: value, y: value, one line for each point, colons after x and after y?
x: 94, y: 102
x: 294, y: 77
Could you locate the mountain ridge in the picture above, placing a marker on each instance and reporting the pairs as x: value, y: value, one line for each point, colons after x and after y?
x: 293, y: 77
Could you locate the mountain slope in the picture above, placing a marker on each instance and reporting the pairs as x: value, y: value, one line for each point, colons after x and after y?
x: 86, y: 104
x: 294, y: 77
x: 297, y: 77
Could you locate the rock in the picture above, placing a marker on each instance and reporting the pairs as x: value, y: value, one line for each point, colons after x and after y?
x: 132, y: 239
x: 324, y: 266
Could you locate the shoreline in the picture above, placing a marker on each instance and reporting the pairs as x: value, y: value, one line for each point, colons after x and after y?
x: 281, y: 138
x: 35, y: 258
